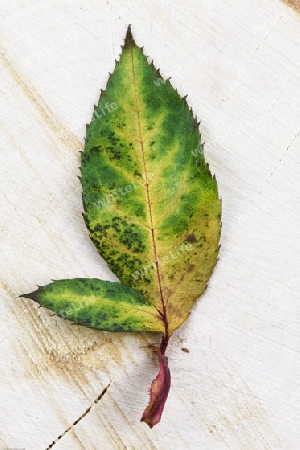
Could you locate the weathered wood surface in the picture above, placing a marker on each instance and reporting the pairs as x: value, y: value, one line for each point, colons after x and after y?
x: 238, y: 387
x: 294, y: 4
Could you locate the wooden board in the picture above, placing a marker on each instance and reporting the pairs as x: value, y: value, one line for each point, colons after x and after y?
x: 238, y: 387
x: 294, y: 4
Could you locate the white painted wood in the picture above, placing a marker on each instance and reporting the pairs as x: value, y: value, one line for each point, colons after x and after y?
x: 238, y: 387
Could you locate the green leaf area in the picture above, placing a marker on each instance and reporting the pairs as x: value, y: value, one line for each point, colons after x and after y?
x: 103, y: 305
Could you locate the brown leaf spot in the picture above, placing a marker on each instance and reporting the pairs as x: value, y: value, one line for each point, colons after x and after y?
x: 191, y: 238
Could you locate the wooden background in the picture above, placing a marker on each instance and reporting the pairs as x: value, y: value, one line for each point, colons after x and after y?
x: 294, y: 4
x: 238, y: 387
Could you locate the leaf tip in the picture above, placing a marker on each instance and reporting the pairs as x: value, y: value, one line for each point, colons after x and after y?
x: 129, y: 41
x: 24, y: 296
x: 32, y: 295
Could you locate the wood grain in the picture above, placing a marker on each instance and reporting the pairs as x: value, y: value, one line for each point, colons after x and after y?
x: 237, y: 387
x: 294, y: 4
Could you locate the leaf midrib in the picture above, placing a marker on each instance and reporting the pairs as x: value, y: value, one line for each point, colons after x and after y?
x: 163, y: 312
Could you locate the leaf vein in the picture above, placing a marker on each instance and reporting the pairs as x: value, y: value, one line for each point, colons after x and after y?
x: 163, y: 312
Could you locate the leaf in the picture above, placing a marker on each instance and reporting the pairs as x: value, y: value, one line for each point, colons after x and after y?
x: 103, y: 305
x: 151, y: 204
x: 152, y: 209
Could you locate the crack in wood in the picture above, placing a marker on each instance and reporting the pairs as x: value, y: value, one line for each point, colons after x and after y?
x: 250, y: 59
x: 87, y: 411
x: 283, y: 155
x: 280, y: 160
